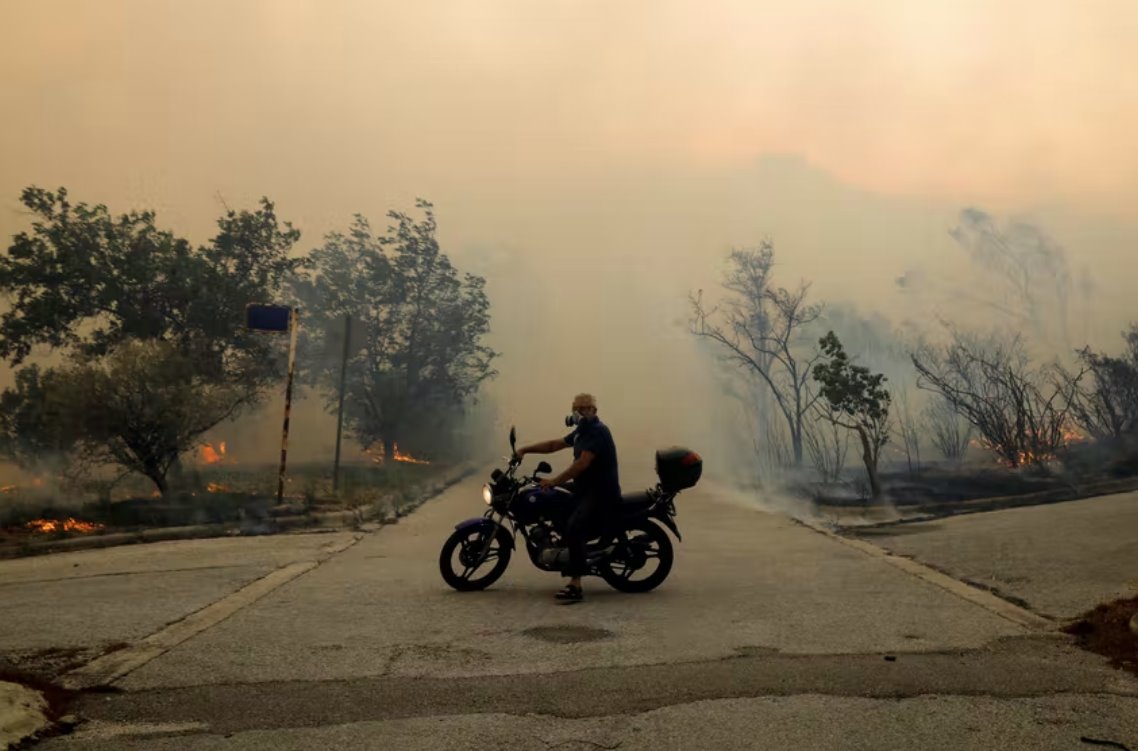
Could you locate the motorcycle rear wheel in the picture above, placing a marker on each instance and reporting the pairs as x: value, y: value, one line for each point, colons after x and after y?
x: 468, y: 544
x: 646, y: 541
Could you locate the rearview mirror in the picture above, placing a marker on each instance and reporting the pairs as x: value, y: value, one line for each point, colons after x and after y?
x: 543, y: 468
x: 513, y: 437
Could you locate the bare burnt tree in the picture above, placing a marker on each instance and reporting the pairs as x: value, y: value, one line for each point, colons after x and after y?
x: 1021, y: 411
x: 947, y: 430
x: 1106, y: 404
x: 760, y: 430
x: 768, y: 436
x: 760, y: 329
x: 1028, y: 269
x: 828, y: 444
x: 1020, y: 274
x: 910, y: 431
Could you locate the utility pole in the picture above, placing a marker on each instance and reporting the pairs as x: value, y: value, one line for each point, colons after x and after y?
x: 340, y: 410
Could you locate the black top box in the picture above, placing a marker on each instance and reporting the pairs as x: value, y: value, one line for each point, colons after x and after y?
x: 678, y: 468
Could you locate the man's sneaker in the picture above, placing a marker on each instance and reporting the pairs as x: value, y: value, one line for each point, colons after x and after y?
x: 570, y: 594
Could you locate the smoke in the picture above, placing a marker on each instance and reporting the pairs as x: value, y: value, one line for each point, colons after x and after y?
x: 595, y: 174
x: 764, y: 499
x: 589, y: 287
x: 1009, y: 274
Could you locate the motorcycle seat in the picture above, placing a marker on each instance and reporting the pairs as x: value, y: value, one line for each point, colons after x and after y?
x: 635, y: 501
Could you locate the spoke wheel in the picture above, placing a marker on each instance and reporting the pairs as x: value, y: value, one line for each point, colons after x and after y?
x: 461, y: 560
x: 641, y: 564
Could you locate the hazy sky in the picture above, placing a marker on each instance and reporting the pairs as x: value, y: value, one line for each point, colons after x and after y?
x: 615, y: 147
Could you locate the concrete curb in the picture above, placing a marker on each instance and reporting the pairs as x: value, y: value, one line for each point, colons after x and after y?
x: 382, y: 512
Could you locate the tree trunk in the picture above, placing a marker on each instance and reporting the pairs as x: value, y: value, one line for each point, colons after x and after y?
x: 176, y: 475
x: 388, y: 449
x: 870, y: 465
x: 796, y: 431
x: 159, y: 480
x: 795, y: 426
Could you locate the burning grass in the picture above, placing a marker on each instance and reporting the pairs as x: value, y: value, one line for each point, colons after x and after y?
x: 70, y: 524
x: 378, y: 456
x: 1068, y: 436
x: 1106, y: 631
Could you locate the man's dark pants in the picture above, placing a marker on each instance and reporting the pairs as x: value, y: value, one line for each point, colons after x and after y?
x: 595, y: 515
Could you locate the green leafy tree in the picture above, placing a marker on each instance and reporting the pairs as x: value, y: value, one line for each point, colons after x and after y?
x: 32, y: 431
x: 87, y: 284
x: 857, y: 400
x: 140, y: 406
x: 421, y: 325
x: 84, y: 281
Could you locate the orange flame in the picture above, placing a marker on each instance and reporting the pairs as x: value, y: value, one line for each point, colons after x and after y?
x: 1070, y: 434
x: 1073, y: 435
x: 210, y: 455
x: 377, y: 455
x: 37, y: 482
x: 217, y: 487
x: 401, y: 457
x: 47, y: 526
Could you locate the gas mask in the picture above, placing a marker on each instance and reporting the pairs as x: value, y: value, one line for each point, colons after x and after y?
x: 576, y: 419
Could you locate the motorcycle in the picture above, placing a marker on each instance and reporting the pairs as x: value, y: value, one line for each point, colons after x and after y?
x: 540, y: 516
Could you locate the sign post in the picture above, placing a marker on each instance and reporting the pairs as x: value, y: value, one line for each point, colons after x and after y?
x: 293, y: 323
x: 279, y: 318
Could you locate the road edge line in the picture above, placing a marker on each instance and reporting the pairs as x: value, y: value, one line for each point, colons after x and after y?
x: 108, y: 668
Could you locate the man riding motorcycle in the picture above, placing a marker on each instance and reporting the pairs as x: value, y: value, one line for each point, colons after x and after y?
x: 596, y: 485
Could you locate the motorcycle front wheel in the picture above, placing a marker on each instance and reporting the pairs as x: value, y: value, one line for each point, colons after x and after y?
x: 459, y: 558
x: 648, y: 547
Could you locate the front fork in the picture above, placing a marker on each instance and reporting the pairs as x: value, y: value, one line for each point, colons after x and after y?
x: 489, y: 515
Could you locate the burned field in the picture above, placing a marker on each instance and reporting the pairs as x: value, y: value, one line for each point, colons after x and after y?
x: 214, y: 489
x: 1082, y: 468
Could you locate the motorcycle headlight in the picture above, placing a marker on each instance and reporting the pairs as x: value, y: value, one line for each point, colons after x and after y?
x: 487, y: 494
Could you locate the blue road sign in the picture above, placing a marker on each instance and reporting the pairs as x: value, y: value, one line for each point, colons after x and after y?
x: 267, y: 317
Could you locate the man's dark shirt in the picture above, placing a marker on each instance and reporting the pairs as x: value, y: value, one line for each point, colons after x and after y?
x: 602, y: 476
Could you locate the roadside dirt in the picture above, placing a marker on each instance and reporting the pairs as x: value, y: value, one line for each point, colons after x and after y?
x: 1106, y: 631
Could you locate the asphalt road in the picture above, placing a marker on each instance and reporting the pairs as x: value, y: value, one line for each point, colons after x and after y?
x: 767, y: 635
x: 1060, y: 559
